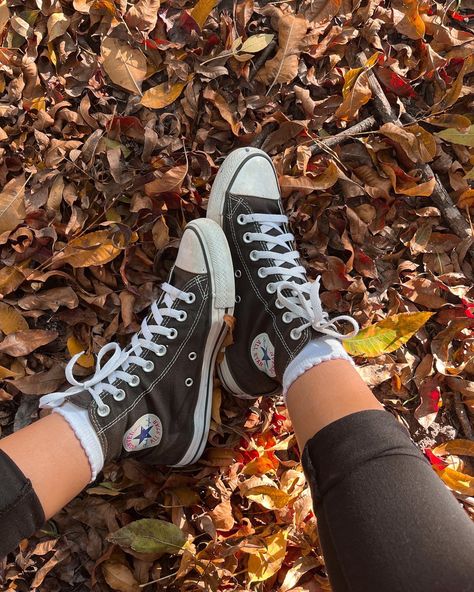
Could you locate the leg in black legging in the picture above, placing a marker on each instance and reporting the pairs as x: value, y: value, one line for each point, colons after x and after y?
x: 387, y: 523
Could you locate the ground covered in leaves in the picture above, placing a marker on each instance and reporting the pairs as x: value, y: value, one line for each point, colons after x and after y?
x: 114, y: 118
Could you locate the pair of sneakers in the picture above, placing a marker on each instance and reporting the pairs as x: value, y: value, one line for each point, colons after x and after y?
x: 153, y: 399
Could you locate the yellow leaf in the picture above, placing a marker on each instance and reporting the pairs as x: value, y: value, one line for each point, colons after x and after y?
x: 355, y: 98
x: 202, y: 10
x: 74, y: 347
x: 162, y: 95
x: 407, y: 19
x: 458, y: 447
x: 351, y: 76
x: 6, y: 373
x: 464, y: 138
x: 267, y: 496
x: 11, y: 320
x: 267, y: 561
x: 95, y: 248
x: 256, y: 43
x: 460, y: 122
x: 12, y: 204
x: 457, y: 481
x: 387, y: 335
x: 125, y: 66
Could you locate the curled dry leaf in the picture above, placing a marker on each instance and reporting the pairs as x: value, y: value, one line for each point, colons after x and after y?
x: 143, y: 15
x: 24, y: 342
x: 430, y: 402
x: 95, y: 248
x: 283, y: 67
x: 119, y: 577
x: 269, y: 558
x: 11, y: 320
x: 50, y: 299
x: 170, y: 181
x: 162, y: 94
x: 58, y: 24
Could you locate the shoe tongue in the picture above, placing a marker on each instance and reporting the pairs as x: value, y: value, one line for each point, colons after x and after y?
x: 272, y: 206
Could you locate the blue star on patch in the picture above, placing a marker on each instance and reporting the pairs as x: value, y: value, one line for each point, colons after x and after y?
x: 144, y: 434
x: 265, y: 357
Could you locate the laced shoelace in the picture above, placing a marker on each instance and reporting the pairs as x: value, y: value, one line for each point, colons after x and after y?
x: 300, y: 299
x: 116, y: 366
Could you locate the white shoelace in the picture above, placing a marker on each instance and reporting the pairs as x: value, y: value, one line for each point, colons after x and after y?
x: 304, y: 301
x: 116, y: 366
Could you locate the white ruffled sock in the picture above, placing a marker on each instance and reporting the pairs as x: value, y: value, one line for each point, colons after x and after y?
x: 317, y: 351
x: 80, y: 423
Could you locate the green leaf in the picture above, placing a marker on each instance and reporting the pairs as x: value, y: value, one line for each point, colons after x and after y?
x: 149, y: 536
x: 256, y: 43
x: 456, y: 137
x: 387, y: 335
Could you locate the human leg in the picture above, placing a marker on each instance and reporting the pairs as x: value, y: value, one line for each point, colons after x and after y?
x: 151, y: 400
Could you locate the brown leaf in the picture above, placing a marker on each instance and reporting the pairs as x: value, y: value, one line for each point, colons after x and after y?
x: 170, y: 181
x: 95, y: 248
x: 41, y: 383
x: 310, y: 182
x: 22, y: 343
x: 50, y: 299
x: 11, y: 320
x: 125, y: 66
x: 12, y: 204
x: 143, y: 15
x: 291, y: 34
x: 430, y: 402
x: 119, y: 577
x: 407, y: 19
x: 359, y: 95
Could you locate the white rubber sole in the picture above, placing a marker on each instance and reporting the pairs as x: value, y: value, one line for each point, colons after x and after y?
x: 221, y: 271
x: 215, y: 211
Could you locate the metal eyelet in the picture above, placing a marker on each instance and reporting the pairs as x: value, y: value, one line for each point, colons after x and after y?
x: 241, y: 219
x: 183, y: 315
x: 191, y: 297
x: 188, y: 382
x: 119, y: 395
x: 278, y: 304
x: 238, y: 299
x: 162, y: 350
x: 261, y: 272
x: 192, y: 356
x: 172, y: 334
x: 238, y: 273
x: 103, y: 411
x: 149, y: 366
x: 134, y: 380
x: 246, y: 238
x: 295, y: 334
x: 253, y: 256
x: 271, y: 289
x: 287, y: 317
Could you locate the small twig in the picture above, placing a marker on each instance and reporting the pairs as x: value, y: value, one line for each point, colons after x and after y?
x: 440, y: 196
x: 364, y: 126
x: 262, y: 58
x: 462, y: 416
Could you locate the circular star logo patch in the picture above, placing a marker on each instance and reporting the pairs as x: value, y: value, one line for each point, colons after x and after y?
x: 146, y: 432
x: 263, y: 354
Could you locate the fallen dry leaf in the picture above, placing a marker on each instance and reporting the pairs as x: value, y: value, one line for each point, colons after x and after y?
x: 124, y: 65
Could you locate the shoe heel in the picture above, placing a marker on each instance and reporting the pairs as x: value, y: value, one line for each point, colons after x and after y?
x: 219, y: 257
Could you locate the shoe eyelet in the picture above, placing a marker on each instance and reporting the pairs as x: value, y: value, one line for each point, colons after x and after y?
x: 295, y: 334
x: 271, y: 289
x: 103, y: 411
x: 119, y: 395
x: 192, y: 356
x: 183, y: 315
x: 172, y: 334
x: 287, y: 317
x: 278, y: 304
x: 134, y: 380
x: 191, y: 297
x: 246, y: 238
x: 189, y: 382
x: 149, y: 366
x: 253, y: 256
x: 241, y: 219
x: 238, y: 299
x: 161, y: 351
x: 238, y: 273
x: 261, y: 272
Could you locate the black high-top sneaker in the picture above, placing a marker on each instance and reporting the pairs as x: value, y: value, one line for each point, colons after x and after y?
x: 278, y: 311
x: 152, y: 400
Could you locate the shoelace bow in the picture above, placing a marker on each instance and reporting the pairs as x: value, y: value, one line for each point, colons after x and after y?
x: 304, y: 301
x: 116, y: 366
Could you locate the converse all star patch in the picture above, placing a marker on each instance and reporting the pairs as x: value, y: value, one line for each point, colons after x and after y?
x: 146, y: 432
x: 263, y: 354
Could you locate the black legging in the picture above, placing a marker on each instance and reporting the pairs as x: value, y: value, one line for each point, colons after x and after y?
x: 386, y: 521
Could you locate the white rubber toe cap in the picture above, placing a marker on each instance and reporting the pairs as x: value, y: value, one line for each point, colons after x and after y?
x: 256, y: 176
x: 190, y: 256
